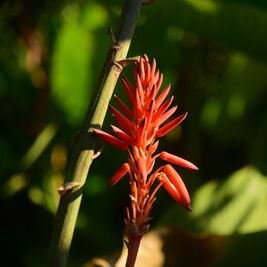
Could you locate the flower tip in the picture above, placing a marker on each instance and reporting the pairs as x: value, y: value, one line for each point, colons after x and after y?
x: 177, y: 160
x: 193, y: 167
x: 146, y: 58
x: 189, y: 208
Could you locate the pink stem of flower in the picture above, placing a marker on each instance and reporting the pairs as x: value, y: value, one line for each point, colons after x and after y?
x: 133, y: 246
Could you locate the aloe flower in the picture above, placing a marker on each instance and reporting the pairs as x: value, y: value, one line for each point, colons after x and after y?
x: 139, y: 127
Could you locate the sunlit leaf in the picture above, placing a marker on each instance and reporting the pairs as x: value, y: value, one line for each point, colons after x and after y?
x: 72, y: 59
x: 94, y: 16
x: 236, y: 205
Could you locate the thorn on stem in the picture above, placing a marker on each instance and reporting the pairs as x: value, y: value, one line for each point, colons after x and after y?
x: 118, y: 65
x: 127, y: 61
x: 98, y: 153
x: 67, y: 187
x: 121, y: 64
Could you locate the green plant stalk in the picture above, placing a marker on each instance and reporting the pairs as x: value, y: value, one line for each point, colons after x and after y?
x: 69, y: 204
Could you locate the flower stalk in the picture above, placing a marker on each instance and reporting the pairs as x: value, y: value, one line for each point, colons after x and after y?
x: 70, y: 199
x: 138, y: 131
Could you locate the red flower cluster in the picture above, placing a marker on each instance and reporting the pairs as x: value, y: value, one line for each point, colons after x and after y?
x: 139, y: 128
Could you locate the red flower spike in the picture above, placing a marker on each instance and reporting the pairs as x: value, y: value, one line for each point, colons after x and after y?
x: 140, y: 125
x: 177, y: 160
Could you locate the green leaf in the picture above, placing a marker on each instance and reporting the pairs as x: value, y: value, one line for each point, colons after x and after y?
x: 72, y: 58
x: 239, y: 26
x: 236, y: 205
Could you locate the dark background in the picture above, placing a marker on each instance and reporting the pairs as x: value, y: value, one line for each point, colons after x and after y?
x: 213, y: 53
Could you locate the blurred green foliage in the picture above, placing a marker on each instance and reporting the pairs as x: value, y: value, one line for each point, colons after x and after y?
x: 236, y: 204
x: 214, y: 52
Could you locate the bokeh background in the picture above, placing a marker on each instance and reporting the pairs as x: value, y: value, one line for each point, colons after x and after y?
x: 214, y: 54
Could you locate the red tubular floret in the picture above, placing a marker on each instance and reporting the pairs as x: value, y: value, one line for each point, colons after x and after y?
x: 171, y: 125
x: 177, y: 182
x: 177, y: 160
x: 166, y: 116
x: 120, y: 173
x: 153, y: 67
x: 159, y: 82
x: 162, y: 96
x: 121, y: 120
x: 162, y: 109
x: 141, y: 69
x: 111, y: 139
x: 129, y: 89
x: 122, y: 135
x: 123, y: 107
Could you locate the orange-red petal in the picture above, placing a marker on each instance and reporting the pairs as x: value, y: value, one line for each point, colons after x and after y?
x: 123, y: 107
x: 161, y: 110
x: 111, y: 139
x: 121, y: 120
x: 170, y: 125
x: 177, y: 182
x: 162, y: 96
x: 129, y: 89
x: 120, y: 173
x: 122, y: 135
x: 166, y: 115
x: 177, y: 160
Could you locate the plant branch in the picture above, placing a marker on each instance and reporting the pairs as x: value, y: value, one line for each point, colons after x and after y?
x: 69, y: 204
x: 133, y: 247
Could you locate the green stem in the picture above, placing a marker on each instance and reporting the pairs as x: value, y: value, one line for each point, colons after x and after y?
x: 78, y: 170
